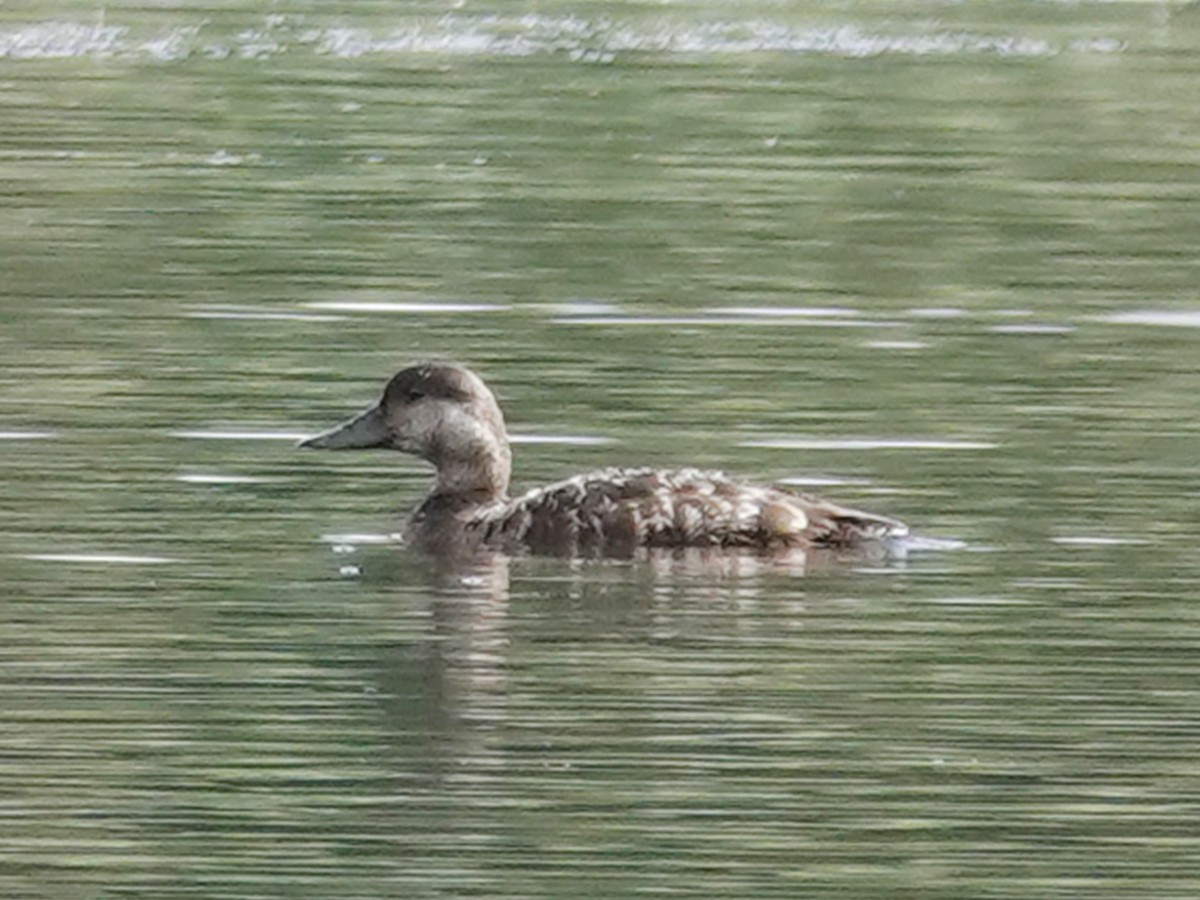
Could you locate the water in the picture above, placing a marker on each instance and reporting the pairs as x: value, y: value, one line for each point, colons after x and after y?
x: 933, y: 260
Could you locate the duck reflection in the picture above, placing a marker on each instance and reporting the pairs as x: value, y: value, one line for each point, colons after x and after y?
x: 445, y: 693
x: 454, y: 689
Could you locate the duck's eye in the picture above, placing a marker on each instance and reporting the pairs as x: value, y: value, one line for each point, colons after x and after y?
x: 414, y: 395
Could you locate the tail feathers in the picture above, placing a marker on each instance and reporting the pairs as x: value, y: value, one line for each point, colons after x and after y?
x: 831, y: 525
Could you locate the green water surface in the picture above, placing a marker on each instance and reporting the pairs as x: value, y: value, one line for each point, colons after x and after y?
x: 937, y: 259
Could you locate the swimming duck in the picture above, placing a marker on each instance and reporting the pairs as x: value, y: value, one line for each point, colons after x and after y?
x: 446, y: 415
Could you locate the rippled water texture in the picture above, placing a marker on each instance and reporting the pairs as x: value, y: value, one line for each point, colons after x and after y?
x: 934, y: 260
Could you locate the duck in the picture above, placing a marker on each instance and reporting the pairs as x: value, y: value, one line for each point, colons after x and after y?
x: 445, y: 414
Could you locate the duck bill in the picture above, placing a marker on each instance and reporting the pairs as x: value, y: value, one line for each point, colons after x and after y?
x: 361, y: 433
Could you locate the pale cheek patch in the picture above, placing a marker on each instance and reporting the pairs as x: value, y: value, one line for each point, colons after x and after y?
x: 415, y: 427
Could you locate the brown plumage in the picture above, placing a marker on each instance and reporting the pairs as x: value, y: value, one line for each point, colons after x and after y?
x: 446, y: 415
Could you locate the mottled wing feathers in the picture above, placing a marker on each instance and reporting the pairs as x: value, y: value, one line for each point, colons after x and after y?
x: 627, y: 508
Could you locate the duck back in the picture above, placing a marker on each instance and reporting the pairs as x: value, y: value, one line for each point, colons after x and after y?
x: 616, y: 510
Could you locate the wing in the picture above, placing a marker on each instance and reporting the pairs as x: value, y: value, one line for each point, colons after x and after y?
x: 622, y: 509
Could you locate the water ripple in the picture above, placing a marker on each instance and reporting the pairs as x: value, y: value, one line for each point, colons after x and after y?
x: 261, y: 314
x: 867, y: 444
x: 1181, y: 318
x: 218, y: 478
x: 580, y: 39
x: 570, y: 440
x: 27, y: 435
x: 127, y: 559
x: 390, y: 307
x: 751, y: 319
x: 236, y: 434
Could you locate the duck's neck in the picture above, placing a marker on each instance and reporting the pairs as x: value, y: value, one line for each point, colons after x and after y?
x: 474, y: 467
